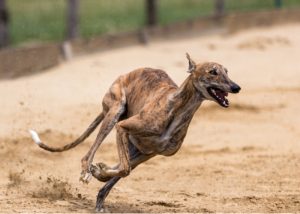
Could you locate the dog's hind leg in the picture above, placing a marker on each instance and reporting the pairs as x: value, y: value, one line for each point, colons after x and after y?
x: 115, y: 101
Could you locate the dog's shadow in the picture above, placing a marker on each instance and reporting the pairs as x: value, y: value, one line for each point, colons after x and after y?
x: 123, y: 207
x: 147, y: 207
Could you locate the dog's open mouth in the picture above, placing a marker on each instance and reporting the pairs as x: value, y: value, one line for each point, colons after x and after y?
x: 219, y: 96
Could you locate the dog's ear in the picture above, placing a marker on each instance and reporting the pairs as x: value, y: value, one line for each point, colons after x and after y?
x: 192, y: 64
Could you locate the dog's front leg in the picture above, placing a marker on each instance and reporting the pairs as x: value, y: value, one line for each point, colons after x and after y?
x: 104, y: 192
x: 136, y: 158
x: 103, y: 172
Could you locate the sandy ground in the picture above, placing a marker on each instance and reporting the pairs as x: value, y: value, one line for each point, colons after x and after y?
x: 242, y: 159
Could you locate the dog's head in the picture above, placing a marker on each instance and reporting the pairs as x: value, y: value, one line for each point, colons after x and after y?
x: 212, y: 81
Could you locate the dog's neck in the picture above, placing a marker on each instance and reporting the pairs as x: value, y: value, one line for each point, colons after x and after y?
x: 186, y: 98
x: 183, y: 104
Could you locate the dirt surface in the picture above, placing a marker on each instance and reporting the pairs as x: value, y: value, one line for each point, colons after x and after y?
x: 242, y: 159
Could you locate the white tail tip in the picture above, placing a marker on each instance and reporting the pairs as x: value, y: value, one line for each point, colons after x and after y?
x: 35, y: 137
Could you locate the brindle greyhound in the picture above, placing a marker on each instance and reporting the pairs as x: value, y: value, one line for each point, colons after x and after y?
x: 151, y: 115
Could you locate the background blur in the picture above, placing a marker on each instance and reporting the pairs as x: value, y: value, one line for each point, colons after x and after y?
x: 58, y: 58
x: 38, y: 21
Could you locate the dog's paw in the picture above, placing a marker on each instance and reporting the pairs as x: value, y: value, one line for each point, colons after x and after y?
x: 101, y: 210
x: 85, y: 177
x: 99, y: 170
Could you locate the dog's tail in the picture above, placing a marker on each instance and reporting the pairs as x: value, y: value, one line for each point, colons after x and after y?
x: 79, y: 140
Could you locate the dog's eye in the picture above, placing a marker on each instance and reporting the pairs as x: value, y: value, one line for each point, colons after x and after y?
x: 213, y: 72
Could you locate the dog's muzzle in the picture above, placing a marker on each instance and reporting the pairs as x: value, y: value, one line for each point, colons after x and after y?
x: 235, y: 88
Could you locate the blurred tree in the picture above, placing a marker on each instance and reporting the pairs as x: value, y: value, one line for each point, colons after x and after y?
x: 4, y: 20
x: 278, y: 3
x: 72, y: 19
x: 151, y: 12
x: 219, y: 8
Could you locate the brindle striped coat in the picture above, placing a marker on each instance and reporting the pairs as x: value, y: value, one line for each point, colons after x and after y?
x: 151, y: 115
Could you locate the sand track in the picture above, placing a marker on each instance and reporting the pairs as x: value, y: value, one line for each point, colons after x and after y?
x: 242, y: 159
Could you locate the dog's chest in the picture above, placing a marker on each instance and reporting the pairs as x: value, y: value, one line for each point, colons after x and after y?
x: 170, y: 139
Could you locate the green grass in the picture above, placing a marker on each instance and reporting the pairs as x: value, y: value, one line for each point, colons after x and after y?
x: 36, y: 20
x: 44, y: 20
x: 248, y: 5
x: 178, y: 10
x: 102, y: 16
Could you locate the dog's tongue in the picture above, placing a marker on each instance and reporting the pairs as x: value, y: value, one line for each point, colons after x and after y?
x: 221, y: 93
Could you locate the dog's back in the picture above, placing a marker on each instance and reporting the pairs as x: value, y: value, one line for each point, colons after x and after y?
x: 145, y: 87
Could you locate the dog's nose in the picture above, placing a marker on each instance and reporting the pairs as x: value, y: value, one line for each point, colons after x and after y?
x: 235, y: 88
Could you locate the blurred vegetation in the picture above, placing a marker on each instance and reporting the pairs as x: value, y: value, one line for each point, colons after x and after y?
x: 45, y: 20
x: 248, y: 5
x: 34, y: 20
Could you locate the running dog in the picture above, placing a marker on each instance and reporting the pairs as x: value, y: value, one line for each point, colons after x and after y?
x: 151, y: 115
